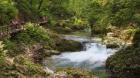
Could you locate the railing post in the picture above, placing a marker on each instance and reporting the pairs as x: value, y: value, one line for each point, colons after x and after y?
x: 0, y: 32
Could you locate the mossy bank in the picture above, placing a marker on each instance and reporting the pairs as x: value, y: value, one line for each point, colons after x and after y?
x: 126, y: 62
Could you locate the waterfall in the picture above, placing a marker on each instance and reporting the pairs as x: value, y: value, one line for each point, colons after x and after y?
x: 94, y: 55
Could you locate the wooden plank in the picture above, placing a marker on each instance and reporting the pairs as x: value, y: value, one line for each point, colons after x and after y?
x: 8, y: 29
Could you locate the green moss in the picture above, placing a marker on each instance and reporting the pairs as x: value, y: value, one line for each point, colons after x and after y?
x: 76, y: 73
x: 21, y: 67
x: 69, y: 45
x: 126, y: 62
x: 26, y: 70
x: 13, y: 48
x: 31, y: 67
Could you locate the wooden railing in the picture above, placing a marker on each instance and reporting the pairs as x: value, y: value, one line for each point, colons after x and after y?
x: 7, y: 30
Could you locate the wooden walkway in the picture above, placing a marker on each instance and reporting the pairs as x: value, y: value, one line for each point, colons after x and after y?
x: 9, y: 29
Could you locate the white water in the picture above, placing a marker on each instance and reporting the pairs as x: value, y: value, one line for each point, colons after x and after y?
x: 94, y: 56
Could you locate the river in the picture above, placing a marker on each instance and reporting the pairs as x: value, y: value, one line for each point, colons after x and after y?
x: 93, y: 55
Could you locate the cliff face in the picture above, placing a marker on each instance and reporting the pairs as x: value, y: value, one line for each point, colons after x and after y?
x: 126, y: 62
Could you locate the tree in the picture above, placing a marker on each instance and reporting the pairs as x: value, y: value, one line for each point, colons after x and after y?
x: 123, y: 12
x: 95, y: 14
x: 31, y: 10
x: 7, y: 11
x: 58, y: 9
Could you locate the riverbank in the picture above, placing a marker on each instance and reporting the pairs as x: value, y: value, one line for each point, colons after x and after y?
x: 125, y: 63
x: 26, y: 49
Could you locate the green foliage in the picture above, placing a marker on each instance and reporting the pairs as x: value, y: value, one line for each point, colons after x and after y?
x: 32, y: 33
x: 122, y: 11
x: 31, y: 10
x: 36, y: 32
x: 78, y: 7
x: 23, y: 38
x: 13, y: 48
x: 57, y: 8
x: 7, y: 11
x: 31, y: 67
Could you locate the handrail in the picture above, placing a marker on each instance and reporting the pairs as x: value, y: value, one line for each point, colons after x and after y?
x: 8, y: 29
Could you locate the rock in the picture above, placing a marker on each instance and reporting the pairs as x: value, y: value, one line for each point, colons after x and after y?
x: 126, y: 62
x: 110, y: 34
x: 42, y: 53
x: 48, y: 70
x: 61, y: 74
x: 96, y: 39
x: 112, y: 46
x: 51, y: 52
x: 69, y: 45
x: 74, y: 73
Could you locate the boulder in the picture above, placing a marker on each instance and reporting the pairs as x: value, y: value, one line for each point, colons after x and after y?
x: 69, y: 46
x: 126, y: 62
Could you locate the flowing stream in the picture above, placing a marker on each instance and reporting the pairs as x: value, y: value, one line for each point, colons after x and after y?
x: 93, y: 55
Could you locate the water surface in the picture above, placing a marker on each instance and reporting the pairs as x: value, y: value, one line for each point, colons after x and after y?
x: 93, y: 55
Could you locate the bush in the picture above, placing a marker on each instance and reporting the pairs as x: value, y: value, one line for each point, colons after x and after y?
x: 13, y: 48
x: 36, y: 32
x: 23, y: 38
x: 33, y: 33
x: 7, y: 11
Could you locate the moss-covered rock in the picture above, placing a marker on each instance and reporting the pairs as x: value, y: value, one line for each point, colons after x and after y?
x: 60, y: 46
x: 42, y: 53
x: 22, y: 67
x: 126, y: 62
x: 74, y: 73
x: 69, y: 45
